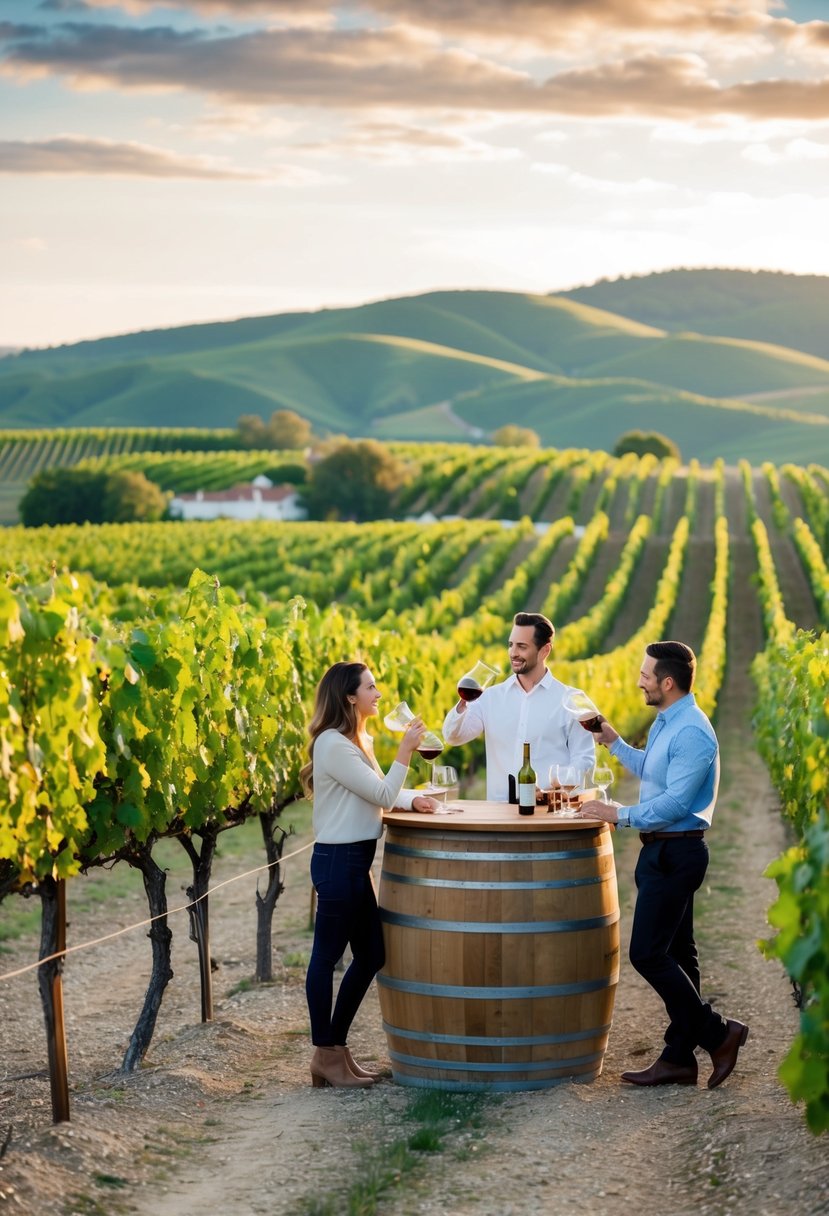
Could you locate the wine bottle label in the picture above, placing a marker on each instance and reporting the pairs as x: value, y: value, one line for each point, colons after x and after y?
x: 526, y: 795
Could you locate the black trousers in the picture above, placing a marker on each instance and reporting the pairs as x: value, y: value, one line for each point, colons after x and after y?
x: 662, y: 946
x: 347, y: 914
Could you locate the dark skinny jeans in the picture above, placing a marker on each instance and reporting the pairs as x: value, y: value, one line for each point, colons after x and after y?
x: 662, y: 945
x: 347, y: 914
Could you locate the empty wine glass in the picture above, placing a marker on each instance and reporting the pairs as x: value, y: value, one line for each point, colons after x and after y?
x: 444, y: 779
x: 473, y: 683
x: 399, y: 718
x: 603, y: 778
x: 430, y: 747
x: 568, y: 778
x: 582, y: 708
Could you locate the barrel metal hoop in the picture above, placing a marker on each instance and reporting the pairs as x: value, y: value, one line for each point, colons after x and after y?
x: 400, y: 850
x: 504, y: 838
x: 503, y: 1087
x: 462, y: 884
x: 404, y: 921
x: 476, y: 1066
x: 472, y: 1040
x: 527, y: 992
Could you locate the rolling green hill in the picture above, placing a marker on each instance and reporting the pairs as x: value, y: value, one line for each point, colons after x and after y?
x: 451, y: 364
x: 785, y: 309
x: 571, y: 413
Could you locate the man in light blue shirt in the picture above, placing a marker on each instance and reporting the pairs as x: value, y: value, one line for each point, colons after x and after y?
x: 679, y: 774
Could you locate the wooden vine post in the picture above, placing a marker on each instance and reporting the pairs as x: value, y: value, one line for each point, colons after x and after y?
x: 50, y: 983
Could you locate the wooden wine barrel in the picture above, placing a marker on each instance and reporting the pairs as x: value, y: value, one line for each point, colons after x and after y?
x: 502, y: 950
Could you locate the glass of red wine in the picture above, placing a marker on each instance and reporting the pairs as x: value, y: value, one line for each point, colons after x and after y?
x: 479, y: 677
x: 430, y: 747
x: 583, y: 710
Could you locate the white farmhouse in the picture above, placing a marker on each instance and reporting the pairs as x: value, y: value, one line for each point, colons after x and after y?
x: 258, y: 499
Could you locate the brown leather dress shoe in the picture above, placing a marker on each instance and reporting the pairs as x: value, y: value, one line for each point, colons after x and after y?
x: 663, y: 1072
x: 725, y: 1056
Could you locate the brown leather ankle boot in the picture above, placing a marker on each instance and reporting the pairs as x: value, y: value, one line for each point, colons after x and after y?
x: 329, y: 1066
x: 357, y: 1069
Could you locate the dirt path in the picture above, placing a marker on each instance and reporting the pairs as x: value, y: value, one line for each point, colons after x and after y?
x: 223, y: 1120
x: 602, y: 1148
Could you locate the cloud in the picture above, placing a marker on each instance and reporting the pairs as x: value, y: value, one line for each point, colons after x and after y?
x: 793, y: 150
x: 616, y: 187
x: 539, y: 23
x: 308, y: 12
x: 325, y: 68
x: 402, y: 144
x: 563, y: 23
x: 396, y: 68
x: 70, y: 154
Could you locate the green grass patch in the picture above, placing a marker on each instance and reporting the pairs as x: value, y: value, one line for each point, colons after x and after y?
x: 244, y: 985
x: 110, y: 1180
x: 381, y: 1168
x: 20, y: 917
x: 296, y: 958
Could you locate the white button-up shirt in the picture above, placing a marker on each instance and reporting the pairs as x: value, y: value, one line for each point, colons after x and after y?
x: 509, y: 717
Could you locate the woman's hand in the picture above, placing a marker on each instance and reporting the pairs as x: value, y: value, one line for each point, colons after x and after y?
x: 409, y: 743
x: 424, y: 804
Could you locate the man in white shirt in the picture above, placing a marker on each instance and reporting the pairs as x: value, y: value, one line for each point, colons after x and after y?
x: 525, y: 708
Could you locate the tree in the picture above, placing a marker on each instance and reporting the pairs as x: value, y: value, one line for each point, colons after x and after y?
x: 355, y: 481
x: 512, y: 436
x: 251, y: 431
x: 130, y: 497
x: 95, y: 496
x: 285, y: 430
x: 643, y: 442
x: 63, y: 496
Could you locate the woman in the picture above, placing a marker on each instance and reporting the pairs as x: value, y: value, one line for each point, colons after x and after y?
x: 349, y: 792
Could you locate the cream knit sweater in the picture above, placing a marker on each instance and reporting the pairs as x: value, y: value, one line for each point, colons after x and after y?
x: 350, y: 793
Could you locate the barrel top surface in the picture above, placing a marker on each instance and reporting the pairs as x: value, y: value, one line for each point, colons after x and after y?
x: 473, y: 815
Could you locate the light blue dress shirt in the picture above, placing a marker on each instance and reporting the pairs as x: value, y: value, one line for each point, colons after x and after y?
x: 679, y: 771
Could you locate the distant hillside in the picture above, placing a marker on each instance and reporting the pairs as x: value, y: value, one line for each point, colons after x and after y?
x: 786, y: 309
x: 449, y: 365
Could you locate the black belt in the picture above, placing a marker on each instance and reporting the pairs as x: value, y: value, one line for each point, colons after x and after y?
x: 647, y: 837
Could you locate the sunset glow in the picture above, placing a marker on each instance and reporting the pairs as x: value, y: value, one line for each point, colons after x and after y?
x: 168, y: 163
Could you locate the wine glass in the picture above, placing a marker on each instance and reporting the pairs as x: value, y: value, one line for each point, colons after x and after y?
x: 568, y: 778
x: 473, y: 683
x: 444, y: 779
x: 553, y: 790
x: 578, y: 704
x: 399, y: 718
x: 430, y: 747
x: 603, y: 777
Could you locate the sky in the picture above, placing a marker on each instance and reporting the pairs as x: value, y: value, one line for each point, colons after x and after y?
x: 162, y: 164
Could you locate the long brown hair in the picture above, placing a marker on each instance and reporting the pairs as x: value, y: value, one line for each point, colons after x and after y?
x: 333, y: 710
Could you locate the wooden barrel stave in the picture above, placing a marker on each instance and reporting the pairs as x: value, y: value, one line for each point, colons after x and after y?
x: 502, y: 957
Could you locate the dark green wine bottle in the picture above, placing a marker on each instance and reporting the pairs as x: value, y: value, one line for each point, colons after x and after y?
x: 526, y: 785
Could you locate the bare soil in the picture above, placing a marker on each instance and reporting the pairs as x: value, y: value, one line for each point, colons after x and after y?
x: 222, y: 1118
